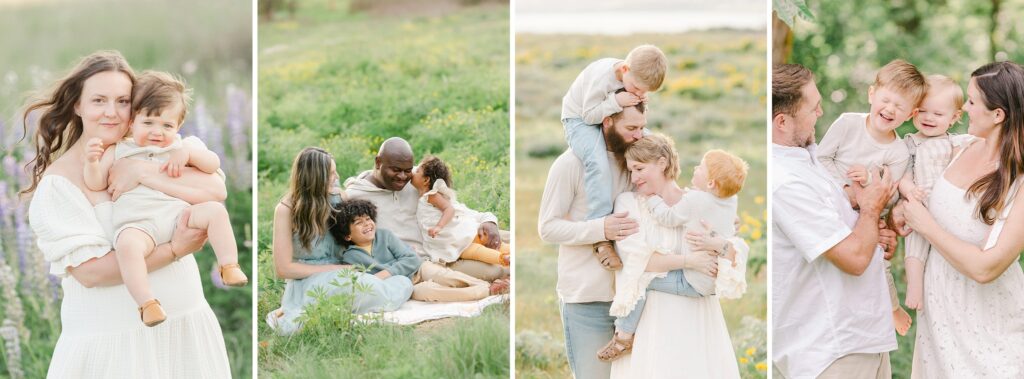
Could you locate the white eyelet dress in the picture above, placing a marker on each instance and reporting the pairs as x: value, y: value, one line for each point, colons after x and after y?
x: 968, y: 329
x: 101, y: 334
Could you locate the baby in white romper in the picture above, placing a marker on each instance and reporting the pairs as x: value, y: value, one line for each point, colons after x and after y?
x: 143, y: 217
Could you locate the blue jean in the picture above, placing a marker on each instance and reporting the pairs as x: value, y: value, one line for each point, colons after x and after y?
x: 587, y: 328
x: 587, y: 143
x: 673, y: 283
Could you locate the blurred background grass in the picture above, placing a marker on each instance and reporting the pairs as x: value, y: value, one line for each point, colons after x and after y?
x: 713, y: 97
x: 345, y: 76
x: 948, y: 37
x: 208, y: 43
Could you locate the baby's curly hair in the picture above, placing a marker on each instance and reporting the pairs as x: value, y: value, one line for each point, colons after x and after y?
x: 344, y: 214
x: 434, y: 169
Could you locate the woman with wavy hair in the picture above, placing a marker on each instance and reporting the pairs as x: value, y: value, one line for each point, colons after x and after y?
x: 101, y: 335
x: 308, y: 256
x: 971, y: 323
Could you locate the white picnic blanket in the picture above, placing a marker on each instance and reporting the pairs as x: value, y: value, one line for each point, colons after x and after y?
x: 415, y: 312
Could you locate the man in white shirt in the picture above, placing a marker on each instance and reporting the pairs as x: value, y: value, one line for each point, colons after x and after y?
x: 387, y: 187
x: 831, y: 316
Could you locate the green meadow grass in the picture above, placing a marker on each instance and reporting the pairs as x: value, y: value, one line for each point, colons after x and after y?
x: 713, y: 97
x: 346, y: 82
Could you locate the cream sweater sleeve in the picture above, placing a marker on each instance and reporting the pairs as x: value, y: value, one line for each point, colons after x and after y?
x: 65, y: 223
x: 554, y: 224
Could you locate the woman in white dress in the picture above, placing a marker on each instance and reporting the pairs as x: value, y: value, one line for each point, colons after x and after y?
x: 972, y: 321
x: 101, y: 336
x: 677, y: 336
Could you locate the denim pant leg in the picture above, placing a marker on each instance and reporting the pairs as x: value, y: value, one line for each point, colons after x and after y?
x: 673, y: 283
x: 587, y: 143
x: 587, y: 328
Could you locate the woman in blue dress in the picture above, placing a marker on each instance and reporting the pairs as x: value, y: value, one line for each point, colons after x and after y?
x: 308, y: 257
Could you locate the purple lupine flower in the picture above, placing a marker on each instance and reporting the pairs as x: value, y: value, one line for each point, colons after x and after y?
x: 12, y: 346
x: 215, y: 278
x: 23, y: 234
x: 11, y: 168
x: 5, y: 208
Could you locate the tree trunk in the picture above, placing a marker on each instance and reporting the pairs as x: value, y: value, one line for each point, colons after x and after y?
x: 782, y: 40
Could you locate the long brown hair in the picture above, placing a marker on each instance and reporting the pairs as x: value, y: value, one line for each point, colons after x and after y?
x: 1002, y: 86
x: 59, y: 126
x: 308, y: 194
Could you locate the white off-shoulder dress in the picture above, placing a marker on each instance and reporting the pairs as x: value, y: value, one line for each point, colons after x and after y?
x: 101, y: 334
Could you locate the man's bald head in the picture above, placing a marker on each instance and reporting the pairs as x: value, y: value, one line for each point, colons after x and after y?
x: 393, y: 165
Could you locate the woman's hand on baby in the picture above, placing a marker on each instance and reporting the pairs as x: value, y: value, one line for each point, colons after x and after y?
x: 918, y: 217
x: 186, y: 240
x: 174, y: 164
x: 626, y: 99
x: 705, y: 262
x: 125, y: 175
x: 704, y: 239
x: 94, y: 150
x: 899, y: 220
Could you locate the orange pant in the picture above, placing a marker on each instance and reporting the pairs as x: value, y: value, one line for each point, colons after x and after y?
x: 478, y: 252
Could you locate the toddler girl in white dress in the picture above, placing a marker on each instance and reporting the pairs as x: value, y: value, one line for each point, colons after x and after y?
x: 448, y: 226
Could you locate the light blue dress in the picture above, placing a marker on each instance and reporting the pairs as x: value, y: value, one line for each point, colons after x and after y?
x: 380, y: 295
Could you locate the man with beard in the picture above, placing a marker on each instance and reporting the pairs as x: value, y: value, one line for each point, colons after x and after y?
x: 585, y: 288
x: 831, y: 315
x: 387, y: 187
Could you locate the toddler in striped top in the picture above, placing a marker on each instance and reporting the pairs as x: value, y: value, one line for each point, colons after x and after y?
x: 931, y: 150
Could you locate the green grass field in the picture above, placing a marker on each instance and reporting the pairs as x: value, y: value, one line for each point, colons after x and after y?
x: 713, y: 97
x: 209, y: 44
x: 345, y: 82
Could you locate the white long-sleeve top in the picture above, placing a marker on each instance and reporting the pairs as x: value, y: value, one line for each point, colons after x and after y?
x: 591, y: 96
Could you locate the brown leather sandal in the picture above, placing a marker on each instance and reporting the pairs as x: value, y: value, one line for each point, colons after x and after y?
x: 152, y: 313
x: 231, y: 275
x: 606, y: 255
x: 615, y: 348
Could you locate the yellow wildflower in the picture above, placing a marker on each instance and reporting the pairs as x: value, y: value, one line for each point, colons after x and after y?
x: 743, y: 360
x: 761, y: 366
x: 751, y: 351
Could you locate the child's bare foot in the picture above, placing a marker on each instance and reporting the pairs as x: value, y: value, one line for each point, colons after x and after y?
x: 499, y: 287
x: 620, y: 344
x: 606, y: 255
x: 902, y: 320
